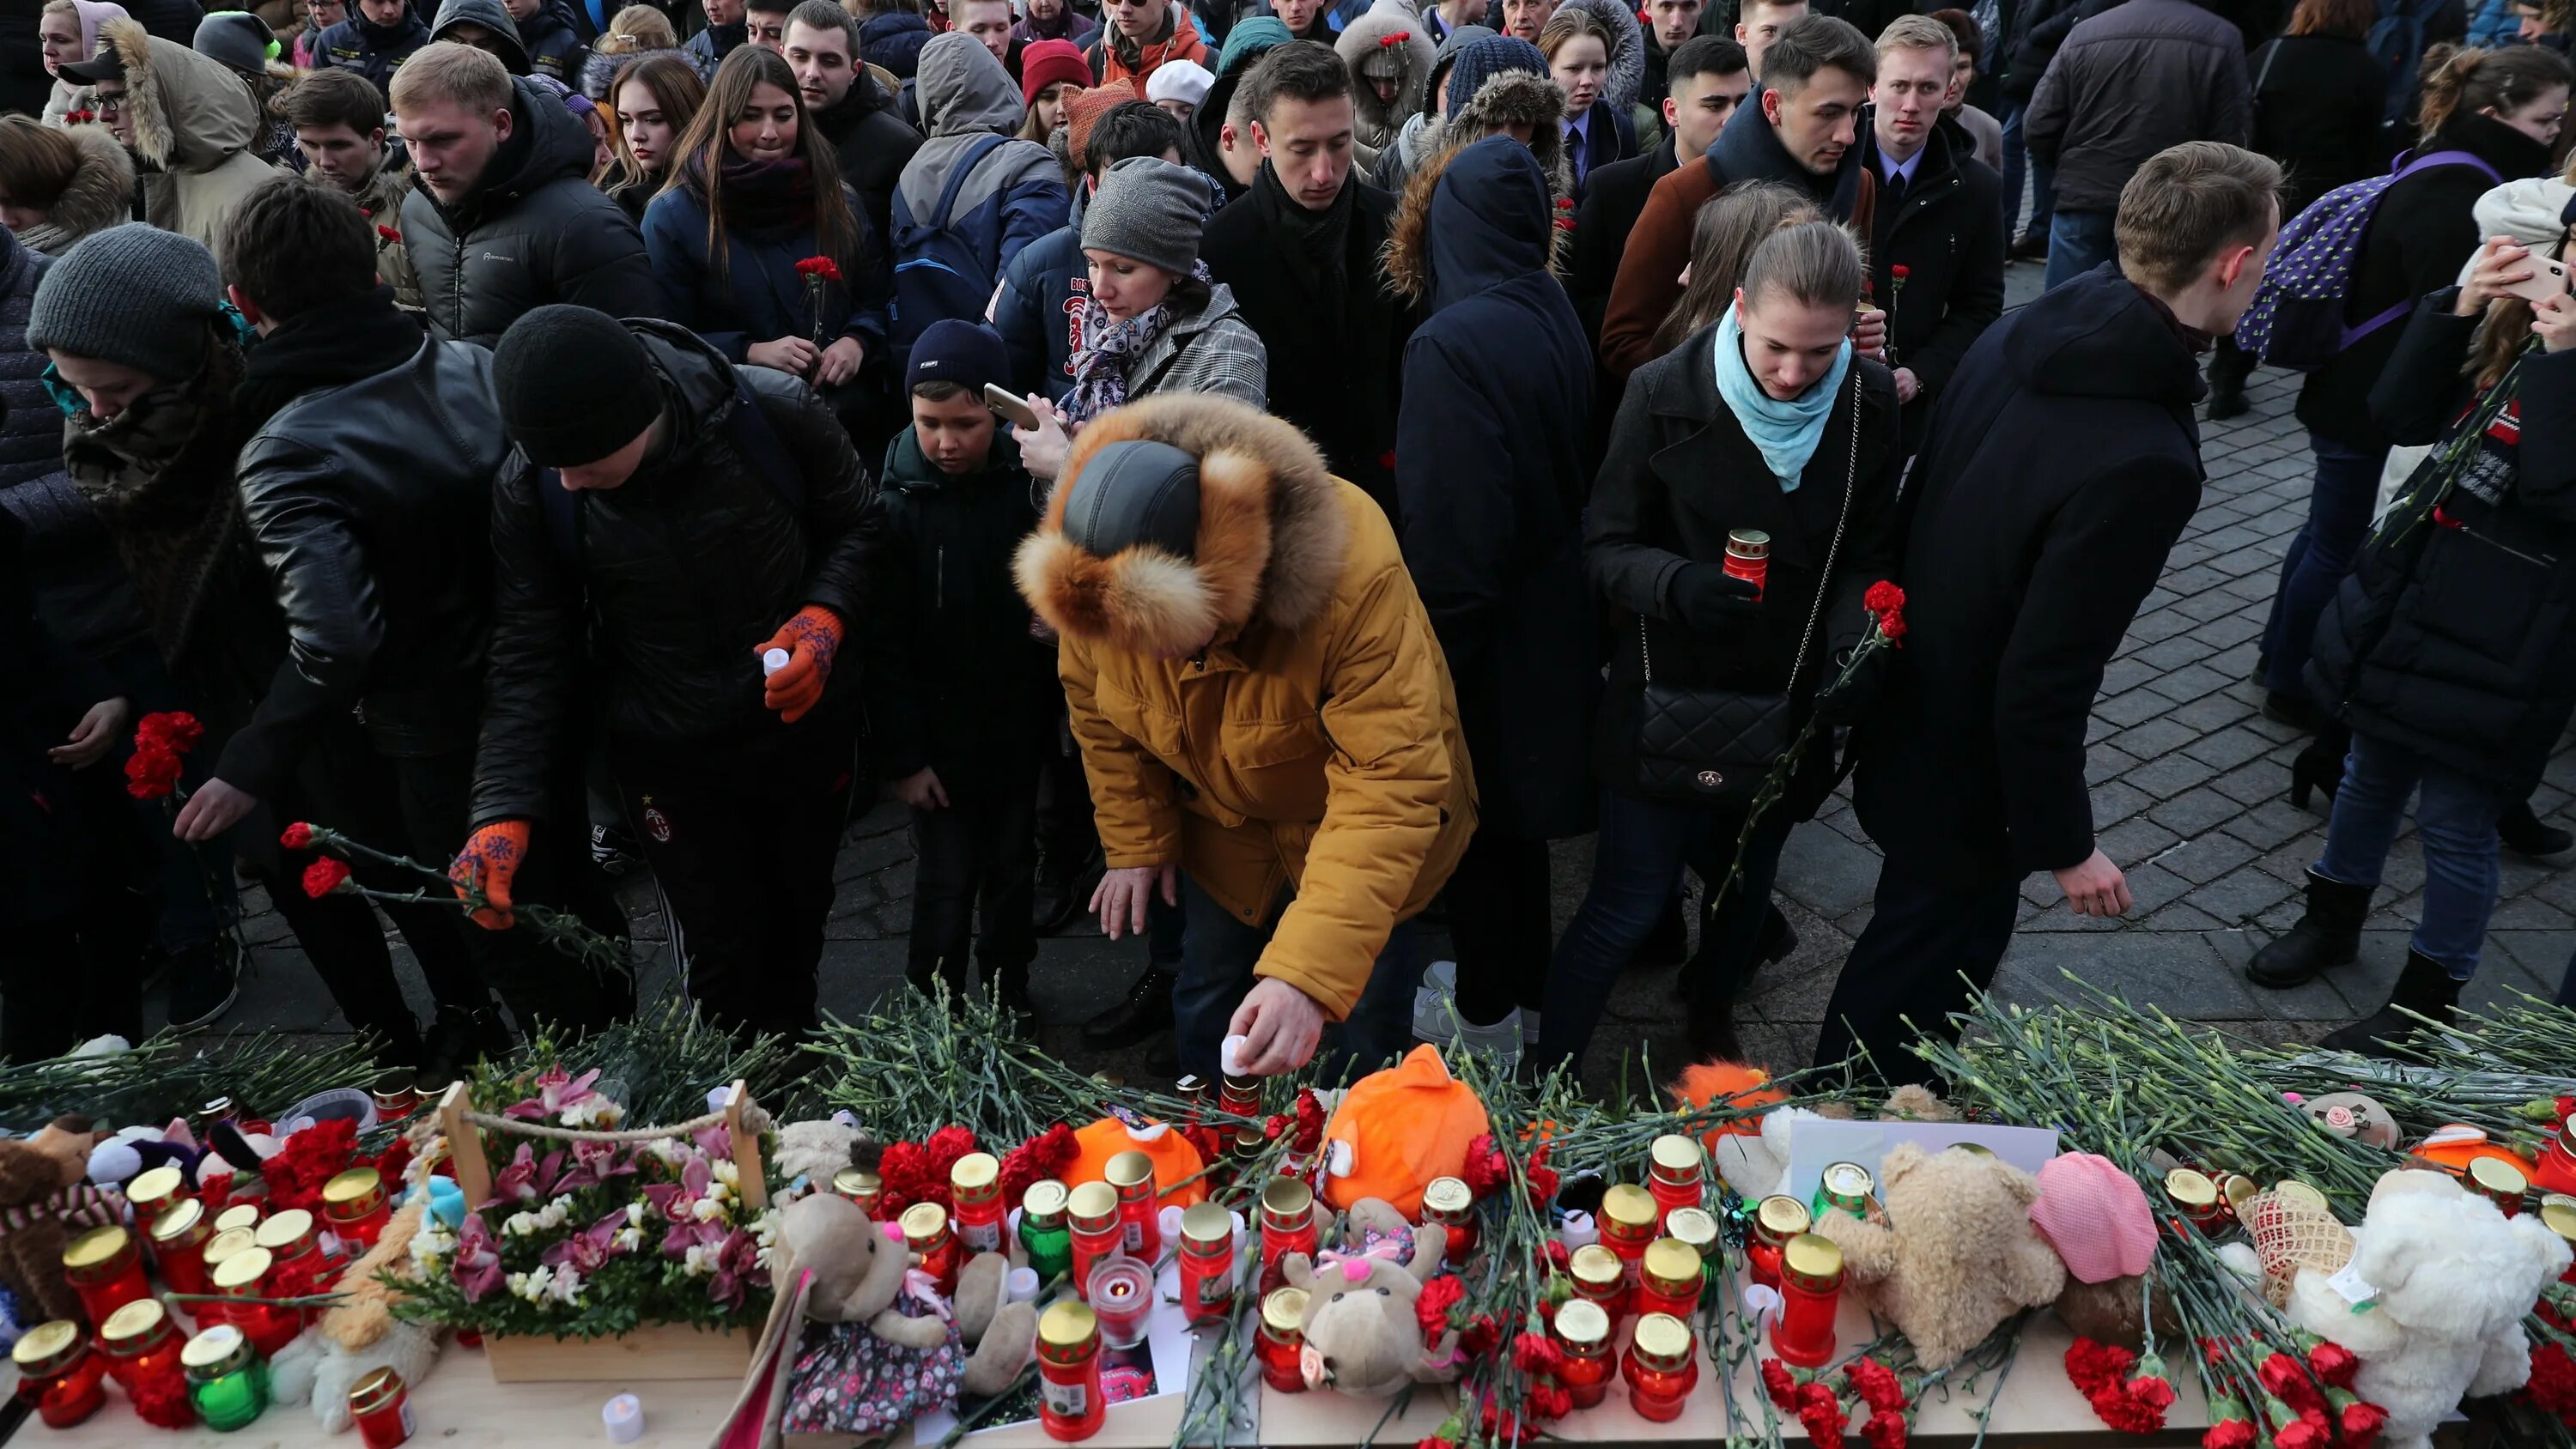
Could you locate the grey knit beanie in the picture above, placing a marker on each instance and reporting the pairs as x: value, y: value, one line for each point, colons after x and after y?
x: 238, y: 39
x: 1149, y: 209
x: 132, y: 294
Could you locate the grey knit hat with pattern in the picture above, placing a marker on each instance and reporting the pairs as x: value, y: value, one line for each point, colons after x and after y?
x: 1152, y: 210
x: 131, y: 294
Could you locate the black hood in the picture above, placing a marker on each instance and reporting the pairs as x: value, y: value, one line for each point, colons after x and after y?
x: 2099, y: 336
x: 492, y: 16
x: 1490, y: 220
x: 545, y: 143
x: 1750, y: 150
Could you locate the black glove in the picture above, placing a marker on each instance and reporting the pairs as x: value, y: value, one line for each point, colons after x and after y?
x: 1846, y: 698
x: 1712, y: 601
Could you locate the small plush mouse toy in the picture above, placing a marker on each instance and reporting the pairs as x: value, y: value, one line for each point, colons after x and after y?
x: 1362, y: 1337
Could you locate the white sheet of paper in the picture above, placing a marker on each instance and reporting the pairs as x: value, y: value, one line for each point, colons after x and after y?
x: 1820, y: 1144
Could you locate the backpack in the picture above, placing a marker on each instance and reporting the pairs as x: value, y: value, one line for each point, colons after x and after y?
x: 746, y: 428
x: 2297, y: 320
x: 939, y: 272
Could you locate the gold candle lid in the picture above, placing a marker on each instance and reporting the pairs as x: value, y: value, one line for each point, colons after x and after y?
x: 178, y: 1220
x: 39, y: 1346
x: 1675, y: 1153
x: 212, y: 1348
x: 2292, y: 1190
x: 923, y: 1222
x: 133, y: 1321
x: 352, y: 1186
x: 1067, y: 1324
x: 1287, y: 1197
x: 857, y: 1182
x: 1206, y: 1223
x: 1284, y: 1311
x: 227, y: 1243
x: 95, y: 1247
x: 1848, y: 1181
x: 2558, y: 1213
x: 155, y: 1183
x: 2191, y: 1190
x: 1595, y: 1265
x: 1044, y: 1199
x: 1583, y: 1323
x: 975, y: 1172
x: 1629, y: 1205
x: 1671, y: 1260
x: 2239, y: 1189
x: 1813, y: 1259
x: 244, y: 1215
x: 1660, y: 1335
x: 1130, y: 1169
x: 1447, y: 1195
x: 1783, y: 1217
x: 283, y: 1229
x: 1694, y: 1226
x: 370, y: 1393
x: 1093, y: 1202
x: 2498, y: 1178
x: 241, y: 1269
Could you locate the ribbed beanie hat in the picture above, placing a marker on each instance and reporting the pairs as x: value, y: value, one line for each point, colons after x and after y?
x: 574, y: 385
x: 132, y: 294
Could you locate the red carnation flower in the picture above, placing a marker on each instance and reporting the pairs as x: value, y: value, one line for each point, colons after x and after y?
x: 1550, y: 1401
x: 175, y: 730
x: 1892, y: 625
x: 1477, y: 1339
x: 151, y: 773
x: 296, y: 836
x: 1780, y: 1384
x: 2299, y: 1434
x: 1824, y: 1425
x: 2151, y: 1392
x: 1310, y: 1123
x: 1533, y: 1354
x: 1433, y: 1441
x: 1877, y: 1385
x: 1883, y: 596
x: 1884, y: 1431
x: 2333, y: 1363
x: 1431, y: 1309
x: 325, y: 876
x: 1899, y: 272
x: 1814, y: 1397
x: 389, y: 234
x: 2357, y: 1418
x: 1391, y: 41
x: 2230, y: 1426
x: 822, y: 267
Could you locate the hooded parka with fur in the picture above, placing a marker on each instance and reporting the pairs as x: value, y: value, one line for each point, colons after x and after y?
x: 194, y: 127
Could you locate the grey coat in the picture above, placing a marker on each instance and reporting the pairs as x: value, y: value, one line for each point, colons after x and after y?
x: 1213, y: 351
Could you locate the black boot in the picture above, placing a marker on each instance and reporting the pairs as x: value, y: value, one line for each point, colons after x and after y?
x: 1146, y: 1010
x: 2319, y: 766
x: 458, y: 1039
x: 2328, y: 935
x: 1711, y: 1026
x: 2294, y: 710
x: 2522, y: 833
x: 205, y: 981
x: 2426, y: 988
x: 1065, y: 882
x: 1777, y: 939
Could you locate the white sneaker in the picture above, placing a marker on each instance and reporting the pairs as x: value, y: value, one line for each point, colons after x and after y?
x: 1501, y: 1041
x: 1434, y: 1015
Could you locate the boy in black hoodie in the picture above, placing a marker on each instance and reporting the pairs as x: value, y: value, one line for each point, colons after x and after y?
x: 959, y: 688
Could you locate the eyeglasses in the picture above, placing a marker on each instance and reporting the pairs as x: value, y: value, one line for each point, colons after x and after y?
x: 108, y: 103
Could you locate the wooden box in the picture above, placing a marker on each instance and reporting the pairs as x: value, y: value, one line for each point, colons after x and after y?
x: 651, y: 1354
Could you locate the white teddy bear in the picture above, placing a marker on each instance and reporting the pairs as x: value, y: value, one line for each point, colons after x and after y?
x: 1755, y: 1166
x: 2454, y: 1277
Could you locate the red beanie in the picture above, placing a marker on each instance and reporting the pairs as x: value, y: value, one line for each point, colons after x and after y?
x: 1046, y: 62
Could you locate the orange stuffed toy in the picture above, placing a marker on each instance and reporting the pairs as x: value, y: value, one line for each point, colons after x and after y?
x: 1707, y: 1084
x: 1175, y: 1160
x: 1398, y: 1129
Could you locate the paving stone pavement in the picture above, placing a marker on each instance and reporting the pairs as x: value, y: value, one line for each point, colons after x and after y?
x: 2189, y: 795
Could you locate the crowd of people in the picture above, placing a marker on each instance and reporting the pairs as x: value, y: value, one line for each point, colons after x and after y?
x: 1253, y: 475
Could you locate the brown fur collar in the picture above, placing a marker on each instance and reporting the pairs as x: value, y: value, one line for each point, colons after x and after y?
x: 99, y: 195
x: 151, y: 120
x: 1515, y: 96
x: 1271, y: 537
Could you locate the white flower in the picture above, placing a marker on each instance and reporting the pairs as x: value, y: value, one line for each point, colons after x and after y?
x: 629, y: 1239
x: 596, y: 1111
x: 532, y: 1286
x: 706, y: 1209
x: 699, y: 1261
x: 430, y: 1244
x: 635, y: 1213
x: 519, y: 1225
x: 725, y: 1172
x: 566, y: 1287
x: 552, y: 1215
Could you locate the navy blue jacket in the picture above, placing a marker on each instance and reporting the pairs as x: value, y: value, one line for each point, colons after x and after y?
x: 1039, y: 311
x: 1488, y: 471
x: 894, y: 39
x: 370, y: 50
x: 554, y: 43
x: 1609, y: 137
x: 761, y: 296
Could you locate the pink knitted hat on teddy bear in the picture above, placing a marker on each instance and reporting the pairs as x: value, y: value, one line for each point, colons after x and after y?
x: 2095, y: 1216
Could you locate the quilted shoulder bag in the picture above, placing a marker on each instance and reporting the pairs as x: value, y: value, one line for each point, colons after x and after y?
x: 1715, y: 746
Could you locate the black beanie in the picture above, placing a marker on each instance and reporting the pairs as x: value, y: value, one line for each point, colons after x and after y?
x: 574, y: 385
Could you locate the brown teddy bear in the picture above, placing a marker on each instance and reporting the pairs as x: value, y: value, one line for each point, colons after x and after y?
x: 44, y: 1204
x: 1958, y: 1254
x: 1362, y: 1337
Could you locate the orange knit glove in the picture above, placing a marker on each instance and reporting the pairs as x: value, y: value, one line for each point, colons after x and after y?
x: 811, y: 639
x: 488, y: 863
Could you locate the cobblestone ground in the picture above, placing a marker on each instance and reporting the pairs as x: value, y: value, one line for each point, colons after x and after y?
x: 2189, y: 791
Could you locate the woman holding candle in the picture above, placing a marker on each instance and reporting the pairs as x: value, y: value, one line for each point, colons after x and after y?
x: 1765, y: 423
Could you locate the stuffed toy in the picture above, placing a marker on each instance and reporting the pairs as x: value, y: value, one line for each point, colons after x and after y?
x: 2097, y: 1219
x: 1958, y: 1253
x: 44, y: 1204
x: 1362, y: 1336
x: 1396, y: 1130
x: 1707, y: 1084
x: 358, y: 1335
x: 814, y: 1150
x: 882, y: 1347
x: 2454, y: 1278
x: 1756, y: 1164
x: 1175, y: 1159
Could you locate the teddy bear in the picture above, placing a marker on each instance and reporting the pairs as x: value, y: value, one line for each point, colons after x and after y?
x: 44, y: 1204
x: 878, y: 1346
x: 1958, y: 1253
x: 1361, y: 1335
x: 2097, y: 1218
x: 2453, y: 1278
x: 359, y: 1334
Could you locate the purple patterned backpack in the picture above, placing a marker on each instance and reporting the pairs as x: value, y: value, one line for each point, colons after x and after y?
x: 2297, y: 320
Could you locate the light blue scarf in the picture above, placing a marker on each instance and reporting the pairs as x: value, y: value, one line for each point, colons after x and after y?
x: 1786, y: 432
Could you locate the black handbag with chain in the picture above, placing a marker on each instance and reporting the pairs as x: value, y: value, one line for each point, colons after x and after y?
x: 1715, y: 746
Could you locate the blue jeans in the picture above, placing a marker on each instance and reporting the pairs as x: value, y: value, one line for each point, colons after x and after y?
x: 1637, y: 862
x: 2339, y: 509
x: 2078, y: 241
x: 2043, y: 182
x: 2455, y: 822
x: 1218, y: 953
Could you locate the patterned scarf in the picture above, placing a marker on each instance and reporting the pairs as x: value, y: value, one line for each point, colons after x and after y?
x: 1108, y: 348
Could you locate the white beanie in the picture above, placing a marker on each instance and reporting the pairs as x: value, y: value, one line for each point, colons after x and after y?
x: 1185, y: 81
x: 2532, y: 211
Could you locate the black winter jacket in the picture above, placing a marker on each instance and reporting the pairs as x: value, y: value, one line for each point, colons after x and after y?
x: 2129, y: 82
x: 1489, y: 473
x: 1680, y: 476
x: 681, y: 573
x: 1947, y: 231
x: 373, y: 51
x: 554, y: 43
x: 534, y: 231
x: 2061, y: 465
x: 2460, y: 643
x: 55, y: 822
x: 954, y: 681
x: 1334, y: 352
x: 2031, y: 40
x: 873, y: 144
x: 370, y: 500
x: 2421, y: 234
x: 2316, y: 111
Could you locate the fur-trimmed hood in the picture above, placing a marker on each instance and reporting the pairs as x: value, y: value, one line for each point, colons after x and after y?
x: 191, y: 113
x: 1510, y: 98
x: 1272, y: 535
x: 1627, y: 49
x: 1390, y: 28
x: 99, y: 195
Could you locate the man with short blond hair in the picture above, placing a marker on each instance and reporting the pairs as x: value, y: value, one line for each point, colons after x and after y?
x: 1939, y: 217
x: 504, y: 218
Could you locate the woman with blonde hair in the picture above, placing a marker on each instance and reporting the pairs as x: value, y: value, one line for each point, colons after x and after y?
x: 1597, y: 131
x: 67, y: 30
x: 1729, y: 226
x: 633, y: 33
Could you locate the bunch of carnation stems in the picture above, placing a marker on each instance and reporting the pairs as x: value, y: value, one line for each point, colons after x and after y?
x: 558, y: 928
